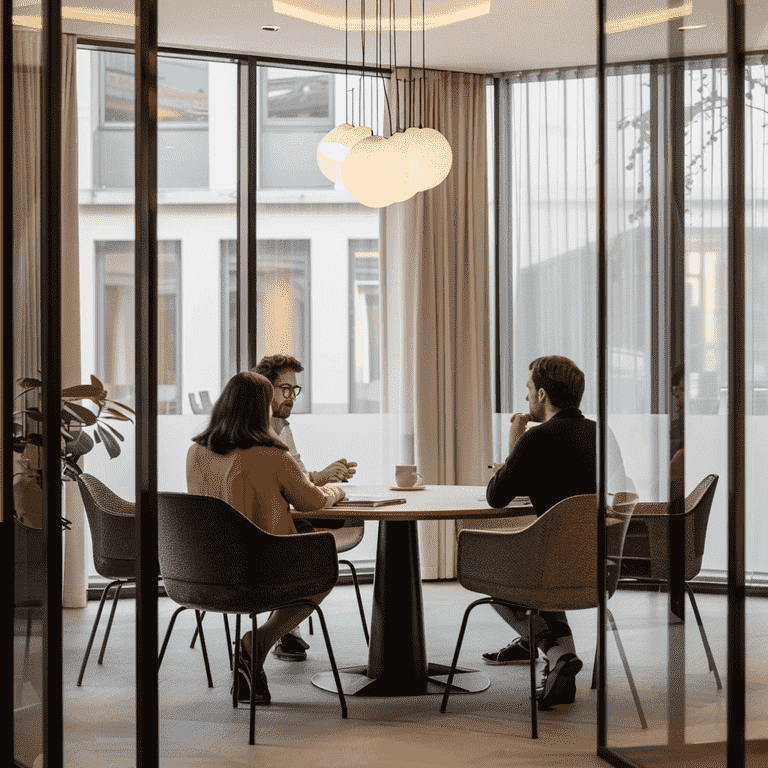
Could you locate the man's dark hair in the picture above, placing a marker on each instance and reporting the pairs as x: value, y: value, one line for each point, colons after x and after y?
x: 560, y: 378
x: 274, y: 365
x: 240, y: 417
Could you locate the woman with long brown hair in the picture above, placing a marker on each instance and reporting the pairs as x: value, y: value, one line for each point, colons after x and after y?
x: 239, y: 459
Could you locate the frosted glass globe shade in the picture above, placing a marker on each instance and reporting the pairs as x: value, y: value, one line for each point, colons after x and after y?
x: 401, y: 142
x: 375, y: 172
x: 334, y: 146
x: 429, y: 158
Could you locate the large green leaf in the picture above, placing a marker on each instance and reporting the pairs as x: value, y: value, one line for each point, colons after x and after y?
x: 121, y: 405
x: 81, y: 391
x: 80, y: 445
x: 114, y: 431
x: 29, y: 382
x: 112, y: 446
x: 81, y: 413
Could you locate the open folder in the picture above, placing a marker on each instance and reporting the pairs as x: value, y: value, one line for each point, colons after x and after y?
x: 369, y: 501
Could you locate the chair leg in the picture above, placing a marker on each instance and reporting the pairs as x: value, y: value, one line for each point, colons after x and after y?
x: 455, y: 661
x: 93, y: 631
x: 255, y: 674
x: 707, y: 649
x: 115, y: 598
x: 194, y: 637
x: 229, y: 639
x: 630, y: 679
x: 532, y: 613
x: 168, y: 635
x: 311, y: 630
x: 332, y: 659
x: 199, y: 616
x: 359, y: 599
x: 235, y: 685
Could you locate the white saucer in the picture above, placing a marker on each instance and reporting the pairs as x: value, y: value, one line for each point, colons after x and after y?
x: 412, y: 488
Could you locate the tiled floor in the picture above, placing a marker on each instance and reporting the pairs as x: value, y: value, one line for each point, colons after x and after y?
x: 303, y: 725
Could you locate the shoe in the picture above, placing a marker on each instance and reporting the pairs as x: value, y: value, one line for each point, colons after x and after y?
x: 262, y: 694
x: 569, y: 694
x: 514, y: 653
x: 560, y: 683
x: 291, y: 648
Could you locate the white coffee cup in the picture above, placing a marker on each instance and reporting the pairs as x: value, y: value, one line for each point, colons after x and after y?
x: 406, y: 474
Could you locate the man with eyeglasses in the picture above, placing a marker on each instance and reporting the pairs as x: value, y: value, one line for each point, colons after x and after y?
x: 281, y: 371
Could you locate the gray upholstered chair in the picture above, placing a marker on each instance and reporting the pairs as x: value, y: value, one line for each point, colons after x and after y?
x: 205, y: 401
x: 196, y: 407
x: 550, y: 565
x: 112, y: 520
x: 240, y: 570
x: 645, y: 557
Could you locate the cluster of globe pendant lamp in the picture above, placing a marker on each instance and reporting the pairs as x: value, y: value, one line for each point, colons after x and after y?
x: 379, y: 171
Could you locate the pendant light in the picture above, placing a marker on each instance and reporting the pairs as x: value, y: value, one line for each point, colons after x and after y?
x: 335, y: 145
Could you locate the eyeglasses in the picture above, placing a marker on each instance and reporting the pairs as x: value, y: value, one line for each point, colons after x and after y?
x: 289, y: 391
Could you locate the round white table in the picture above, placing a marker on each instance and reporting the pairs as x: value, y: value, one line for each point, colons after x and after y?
x: 397, y: 657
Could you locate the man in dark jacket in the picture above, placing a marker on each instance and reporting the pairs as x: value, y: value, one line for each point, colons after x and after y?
x: 549, y: 463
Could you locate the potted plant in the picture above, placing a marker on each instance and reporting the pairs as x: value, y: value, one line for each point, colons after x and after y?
x: 77, y: 422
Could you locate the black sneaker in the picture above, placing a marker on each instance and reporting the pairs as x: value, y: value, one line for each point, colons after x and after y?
x: 291, y: 648
x: 560, y: 682
x: 516, y: 652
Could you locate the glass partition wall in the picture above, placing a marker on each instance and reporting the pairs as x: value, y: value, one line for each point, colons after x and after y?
x: 684, y: 338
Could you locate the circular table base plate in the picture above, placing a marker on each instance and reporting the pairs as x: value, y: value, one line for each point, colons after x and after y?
x: 355, y: 682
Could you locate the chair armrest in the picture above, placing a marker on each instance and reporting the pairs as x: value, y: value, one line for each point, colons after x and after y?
x: 296, y: 559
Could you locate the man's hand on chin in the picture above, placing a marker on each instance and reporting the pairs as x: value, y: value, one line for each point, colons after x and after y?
x: 517, y: 426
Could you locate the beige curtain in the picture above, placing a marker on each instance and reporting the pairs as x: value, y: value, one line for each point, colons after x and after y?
x: 26, y: 254
x: 435, y: 316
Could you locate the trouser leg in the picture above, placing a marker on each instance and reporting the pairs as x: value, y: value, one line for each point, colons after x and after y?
x: 551, y: 627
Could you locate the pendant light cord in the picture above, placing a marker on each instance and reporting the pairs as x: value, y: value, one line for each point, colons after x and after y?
x: 397, y: 81
x: 423, y: 68
x: 346, y: 62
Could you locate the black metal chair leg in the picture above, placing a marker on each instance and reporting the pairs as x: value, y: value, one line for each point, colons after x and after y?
x: 331, y: 657
x: 202, y: 646
x: 255, y: 674
x: 115, y: 598
x: 311, y: 630
x: 194, y: 637
x: 532, y: 664
x: 627, y: 670
x: 359, y: 599
x: 455, y: 661
x: 229, y: 639
x: 707, y: 649
x: 168, y: 635
x: 93, y: 631
x: 235, y: 684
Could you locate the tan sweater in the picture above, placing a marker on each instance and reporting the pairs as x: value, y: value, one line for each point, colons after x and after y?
x: 259, y: 483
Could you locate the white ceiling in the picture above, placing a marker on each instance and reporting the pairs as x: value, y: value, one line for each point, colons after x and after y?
x: 516, y: 34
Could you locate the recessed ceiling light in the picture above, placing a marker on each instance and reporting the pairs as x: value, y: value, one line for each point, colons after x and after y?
x: 270, y: 28
x: 627, y: 23
x: 692, y: 26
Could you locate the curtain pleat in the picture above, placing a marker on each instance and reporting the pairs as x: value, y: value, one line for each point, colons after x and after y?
x: 435, y: 307
x: 26, y: 255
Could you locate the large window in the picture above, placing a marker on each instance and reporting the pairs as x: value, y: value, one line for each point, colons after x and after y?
x: 365, y: 368
x: 115, y: 322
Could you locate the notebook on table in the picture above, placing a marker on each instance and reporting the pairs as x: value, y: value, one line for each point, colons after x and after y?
x: 369, y: 501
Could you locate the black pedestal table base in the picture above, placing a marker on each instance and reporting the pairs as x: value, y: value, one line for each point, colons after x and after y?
x: 355, y: 682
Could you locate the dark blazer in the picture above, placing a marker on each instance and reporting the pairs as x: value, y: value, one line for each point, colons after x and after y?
x: 554, y: 460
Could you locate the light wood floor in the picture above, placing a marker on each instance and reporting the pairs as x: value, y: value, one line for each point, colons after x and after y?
x: 303, y: 725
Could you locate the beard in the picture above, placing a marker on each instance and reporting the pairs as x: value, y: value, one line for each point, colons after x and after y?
x: 537, y: 416
x: 283, y: 410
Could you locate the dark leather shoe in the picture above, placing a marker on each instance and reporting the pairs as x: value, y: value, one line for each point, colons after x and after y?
x: 291, y: 648
x: 261, y: 693
x: 560, y: 684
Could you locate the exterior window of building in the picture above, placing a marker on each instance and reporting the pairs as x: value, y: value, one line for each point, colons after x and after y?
x: 365, y: 370
x: 297, y: 111
x: 283, y: 308
x: 115, y: 322
x: 182, y: 122
x: 228, y: 310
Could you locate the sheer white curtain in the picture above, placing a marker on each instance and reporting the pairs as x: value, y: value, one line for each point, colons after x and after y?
x: 27, y: 135
x: 435, y: 316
